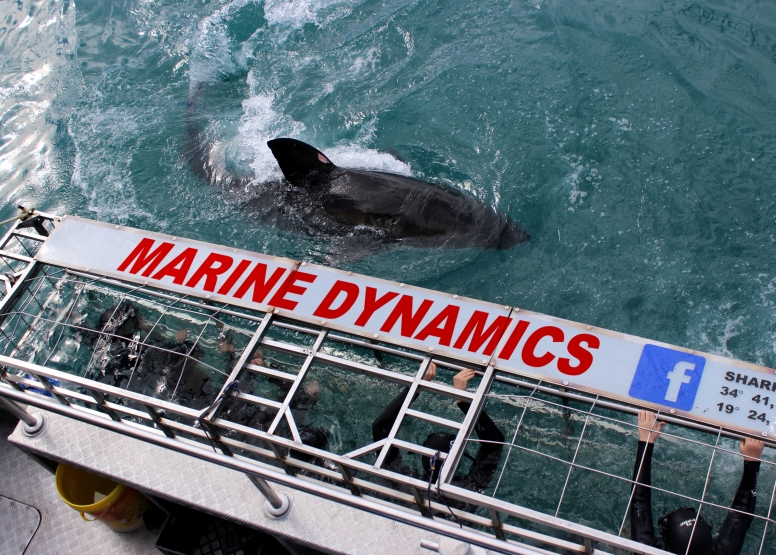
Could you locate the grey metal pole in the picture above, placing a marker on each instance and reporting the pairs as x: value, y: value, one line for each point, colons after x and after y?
x: 33, y: 423
x: 277, y: 504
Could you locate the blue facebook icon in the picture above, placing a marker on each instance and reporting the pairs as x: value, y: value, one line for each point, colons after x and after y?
x: 667, y: 377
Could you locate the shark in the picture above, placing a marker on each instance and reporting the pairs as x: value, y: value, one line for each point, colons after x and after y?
x: 357, y: 212
x: 399, y: 208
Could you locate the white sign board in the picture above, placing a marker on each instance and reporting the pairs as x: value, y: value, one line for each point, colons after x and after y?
x: 181, y: 265
x: 704, y: 387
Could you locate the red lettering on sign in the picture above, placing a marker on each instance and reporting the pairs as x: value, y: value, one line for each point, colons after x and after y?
x: 529, y: 354
x: 234, y: 276
x: 179, y: 267
x: 576, y: 350
x: 214, y: 265
x: 442, y: 326
x: 514, y: 340
x: 325, y: 309
x: 409, y: 321
x: 258, y: 280
x: 372, y: 304
x: 474, y: 328
x: 142, y: 257
x: 290, y: 288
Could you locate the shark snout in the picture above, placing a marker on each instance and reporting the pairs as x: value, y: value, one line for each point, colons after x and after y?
x: 511, y: 235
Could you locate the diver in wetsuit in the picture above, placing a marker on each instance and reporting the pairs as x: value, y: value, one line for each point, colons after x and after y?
x: 485, y: 461
x: 676, y: 528
x: 170, y: 366
x: 249, y: 414
x: 115, y: 343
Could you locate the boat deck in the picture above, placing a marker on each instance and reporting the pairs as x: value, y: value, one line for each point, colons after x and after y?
x: 59, y: 529
x: 315, y: 522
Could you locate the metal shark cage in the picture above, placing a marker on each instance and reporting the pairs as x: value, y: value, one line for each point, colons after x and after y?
x: 47, y: 363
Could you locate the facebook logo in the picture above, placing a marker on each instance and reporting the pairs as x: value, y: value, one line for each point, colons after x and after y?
x: 667, y: 377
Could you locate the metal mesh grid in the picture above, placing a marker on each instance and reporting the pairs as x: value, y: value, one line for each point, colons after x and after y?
x: 698, y: 465
x: 244, y: 383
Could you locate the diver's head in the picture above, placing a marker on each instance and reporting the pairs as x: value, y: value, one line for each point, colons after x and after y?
x: 439, y: 441
x: 677, y: 530
x: 314, y: 437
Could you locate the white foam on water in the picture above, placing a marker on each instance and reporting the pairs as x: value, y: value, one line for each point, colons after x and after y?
x: 724, y: 330
x: 211, y: 55
x: 264, y: 120
x: 297, y: 14
x: 34, y: 96
x: 358, y: 157
x: 105, y: 179
x: 261, y: 122
x: 264, y: 117
x: 19, y: 133
x: 26, y: 22
x: 48, y: 23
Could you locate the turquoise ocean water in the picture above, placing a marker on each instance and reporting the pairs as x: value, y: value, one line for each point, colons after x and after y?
x: 633, y: 141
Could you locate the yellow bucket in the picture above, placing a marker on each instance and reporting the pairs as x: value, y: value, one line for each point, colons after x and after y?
x: 118, y: 507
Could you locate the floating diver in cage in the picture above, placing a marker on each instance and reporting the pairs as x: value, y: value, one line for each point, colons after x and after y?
x: 683, y: 531
x: 248, y: 414
x: 484, y: 462
x: 115, y: 344
x: 170, y: 369
x: 155, y: 365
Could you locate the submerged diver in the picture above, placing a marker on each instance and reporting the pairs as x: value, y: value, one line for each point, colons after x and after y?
x: 170, y: 367
x: 249, y: 414
x: 155, y: 365
x: 115, y: 343
x: 682, y: 527
x: 484, y: 463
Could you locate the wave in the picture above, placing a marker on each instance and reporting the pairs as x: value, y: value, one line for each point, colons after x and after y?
x: 295, y: 15
x: 213, y: 56
x: 38, y: 84
x: 219, y: 59
x: 262, y: 121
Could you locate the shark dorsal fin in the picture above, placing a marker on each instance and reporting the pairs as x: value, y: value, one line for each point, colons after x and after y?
x: 301, y: 163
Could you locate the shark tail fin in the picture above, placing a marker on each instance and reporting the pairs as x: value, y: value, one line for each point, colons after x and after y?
x: 300, y: 162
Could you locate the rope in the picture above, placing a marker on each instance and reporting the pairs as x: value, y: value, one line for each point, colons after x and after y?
x: 433, y: 464
x: 22, y: 216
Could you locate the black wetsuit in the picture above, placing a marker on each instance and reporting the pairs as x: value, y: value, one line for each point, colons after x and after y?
x: 485, y: 461
x: 114, y: 343
x: 249, y: 414
x: 733, y: 533
x: 259, y: 417
x: 172, y: 368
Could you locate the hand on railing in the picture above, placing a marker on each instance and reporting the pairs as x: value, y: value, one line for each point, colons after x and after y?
x: 258, y: 358
x: 226, y: 347
x: 461, y: 380
x: 430, y: 372
x: 649, y: 429
x: 751, y: 449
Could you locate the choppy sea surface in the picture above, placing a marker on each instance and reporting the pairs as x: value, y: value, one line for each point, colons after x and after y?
x: 633, y: 141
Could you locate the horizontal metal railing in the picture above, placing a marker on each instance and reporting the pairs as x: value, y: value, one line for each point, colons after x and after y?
x: 252, y: 469
x: 37, y: 316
